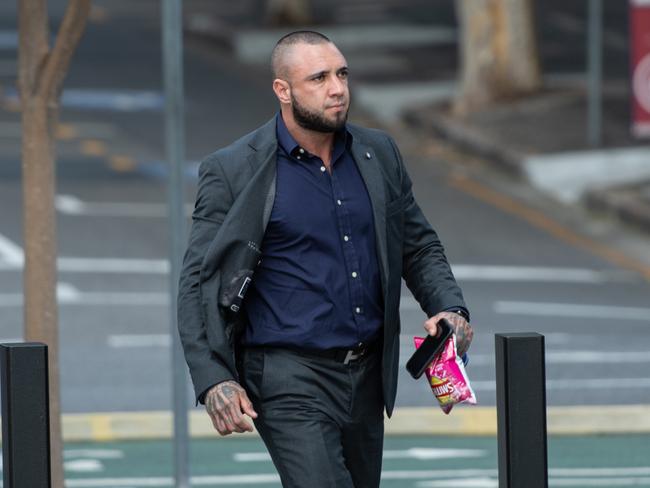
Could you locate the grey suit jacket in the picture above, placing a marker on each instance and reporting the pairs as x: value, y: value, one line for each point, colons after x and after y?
x: 234, y: 201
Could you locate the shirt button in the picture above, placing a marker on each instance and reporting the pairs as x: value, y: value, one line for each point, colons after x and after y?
x: 301, y: 151
x: 357, y: 310
x: 339, y: 202
x: 354, y: 274
x: 297, y: 157
x: 323, y: 169
x: 346, y: 238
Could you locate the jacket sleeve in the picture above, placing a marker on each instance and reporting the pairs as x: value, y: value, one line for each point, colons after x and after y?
x: 213, y: 201
x: 424, y: 265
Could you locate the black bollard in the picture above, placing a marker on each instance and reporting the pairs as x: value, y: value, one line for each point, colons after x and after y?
x: 521, y: 410
x: 25, y: 415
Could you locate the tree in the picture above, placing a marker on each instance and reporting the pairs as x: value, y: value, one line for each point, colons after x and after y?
x: 288, y: 12
x: 499, y: 58
x: 41, y: 71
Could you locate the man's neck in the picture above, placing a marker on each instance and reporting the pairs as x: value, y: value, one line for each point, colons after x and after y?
x: 317, y: 143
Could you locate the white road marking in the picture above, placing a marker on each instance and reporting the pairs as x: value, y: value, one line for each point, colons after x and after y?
x: 11, y: 340
x: 10, y: 253
x: 122, y: 341
x: 11, y: 256
x: 550, y: 338
x: 94, y: 265
x: 577, y: 357
x: 65, y: 293
x: 68, y: 204
x: 561, y: 477
x: 531, y: 274
x: 69, y: 296
x: 113, y: 265
x: 494, y: 483
x: 84, y: 466
x: 117, y: 100
x: 71, y: 205
x: 579, y: 384
x: 460, y: 483
x: 572, y: 310
x: 420, y: 453
x: 94, y: 453
x: 117, y: 298
x: 607, y: 482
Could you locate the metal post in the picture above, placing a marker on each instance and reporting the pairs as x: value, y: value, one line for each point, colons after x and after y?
x: 521, y: 410
x: 175, y: 149
x: 595, y: 74
x: 25, y: 416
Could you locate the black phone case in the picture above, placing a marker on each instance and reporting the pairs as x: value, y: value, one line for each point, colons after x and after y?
x: 431, y: 346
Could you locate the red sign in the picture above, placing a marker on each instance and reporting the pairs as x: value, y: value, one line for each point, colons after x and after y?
x: 640, y: 50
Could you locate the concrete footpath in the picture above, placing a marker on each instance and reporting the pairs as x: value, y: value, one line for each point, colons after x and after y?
x: 543, y: 139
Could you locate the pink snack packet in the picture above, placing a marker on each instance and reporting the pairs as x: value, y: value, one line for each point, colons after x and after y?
x: 447, y: 378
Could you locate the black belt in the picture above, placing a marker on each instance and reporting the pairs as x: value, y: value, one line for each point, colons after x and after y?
x: 340, y: 354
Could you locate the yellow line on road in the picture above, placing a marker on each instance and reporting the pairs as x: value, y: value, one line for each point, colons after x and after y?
x: 463, y: 420
x: 541, y: 221
x: 93, y: 147
x: 121, y: 163
x: 66, y: 132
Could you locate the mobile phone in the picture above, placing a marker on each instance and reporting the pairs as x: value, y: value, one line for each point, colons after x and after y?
x: 431, y: 346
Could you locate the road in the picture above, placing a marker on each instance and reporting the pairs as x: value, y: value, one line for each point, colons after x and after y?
x: 409, y: 462
x: 524, y: 262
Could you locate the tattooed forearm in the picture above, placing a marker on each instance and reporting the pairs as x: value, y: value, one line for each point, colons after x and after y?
x: 225, y: 403
x: 462, y: 330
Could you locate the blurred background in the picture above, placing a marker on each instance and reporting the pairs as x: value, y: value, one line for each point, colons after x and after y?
x: 525, y: 143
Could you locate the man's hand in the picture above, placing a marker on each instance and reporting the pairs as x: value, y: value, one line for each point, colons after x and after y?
x: 462, y: 329
x: 225, y: 403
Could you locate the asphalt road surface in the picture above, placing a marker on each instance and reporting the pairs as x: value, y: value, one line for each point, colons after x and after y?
x: 525, y: 263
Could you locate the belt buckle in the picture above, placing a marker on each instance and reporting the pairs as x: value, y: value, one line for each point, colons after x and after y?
x: 351, y: 356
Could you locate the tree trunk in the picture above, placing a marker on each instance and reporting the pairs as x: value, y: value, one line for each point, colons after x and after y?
x: 499, y: 58
x: 41, y: 71
x: 41, y: 311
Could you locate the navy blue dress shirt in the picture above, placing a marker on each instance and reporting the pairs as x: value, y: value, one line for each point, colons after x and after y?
x: 318, y: 283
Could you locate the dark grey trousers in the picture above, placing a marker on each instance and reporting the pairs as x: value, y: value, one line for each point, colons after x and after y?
x: 321, y: 420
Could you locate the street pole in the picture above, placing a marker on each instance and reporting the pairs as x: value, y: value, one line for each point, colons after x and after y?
x: 521, y: 410
x: 594, y: 69
x: 25, y: 415
x: 172, y: 30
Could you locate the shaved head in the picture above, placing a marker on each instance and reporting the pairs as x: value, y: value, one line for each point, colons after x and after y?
x: 281, y: 52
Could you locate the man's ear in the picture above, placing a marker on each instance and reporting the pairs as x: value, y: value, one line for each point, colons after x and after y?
x: 282, y: 90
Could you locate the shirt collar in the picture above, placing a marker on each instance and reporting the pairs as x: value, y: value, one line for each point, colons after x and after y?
x: 288, y: 144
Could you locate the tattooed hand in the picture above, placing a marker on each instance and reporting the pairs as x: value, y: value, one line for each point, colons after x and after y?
x: 225, y: 403
x: 462, y: 329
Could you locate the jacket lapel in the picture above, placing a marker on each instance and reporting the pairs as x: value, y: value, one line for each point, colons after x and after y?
x: 372, y: 177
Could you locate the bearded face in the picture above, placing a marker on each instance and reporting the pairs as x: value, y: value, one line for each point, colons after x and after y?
x: 331, y: 119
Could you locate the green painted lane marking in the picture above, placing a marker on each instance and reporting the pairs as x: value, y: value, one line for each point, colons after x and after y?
x: 411, y: 462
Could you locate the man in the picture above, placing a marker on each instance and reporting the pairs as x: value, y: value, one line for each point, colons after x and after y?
x: 289, y: 295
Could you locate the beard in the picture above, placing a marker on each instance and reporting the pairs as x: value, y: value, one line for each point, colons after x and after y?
x: 316, y: 121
